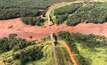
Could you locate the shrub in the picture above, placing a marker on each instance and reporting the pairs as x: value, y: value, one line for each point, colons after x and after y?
x: 7, y: 44
x: 60, y: 19
x: 29, y: 54
x: 33, y: 21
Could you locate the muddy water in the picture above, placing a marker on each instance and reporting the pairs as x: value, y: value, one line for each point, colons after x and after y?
x: 36, y: 32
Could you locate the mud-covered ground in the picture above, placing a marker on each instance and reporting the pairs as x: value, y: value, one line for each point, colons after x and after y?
x: 16, y: 26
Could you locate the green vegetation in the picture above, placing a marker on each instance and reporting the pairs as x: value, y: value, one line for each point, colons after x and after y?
x: 16, y: 51
x: 58, y: 1
x: 40, y: 55
x: 82, y: 12
x: 7, y: 44
x: 22, y: 8
x: 25, y: 9
x: 28, y: 54
x: 62, y: 55
x: 86, y: 47
x: 34, y: 55
x: 96, y: 56
x: 60, y: 18
x: 33, y: 21
x: 69, y: 9
x: 90, y: 40
x: 71, y: 42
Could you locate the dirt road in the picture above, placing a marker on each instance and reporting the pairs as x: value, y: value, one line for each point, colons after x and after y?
x: 71, y: 54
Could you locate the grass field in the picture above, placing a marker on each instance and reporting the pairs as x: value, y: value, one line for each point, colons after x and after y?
x: 96, y: 56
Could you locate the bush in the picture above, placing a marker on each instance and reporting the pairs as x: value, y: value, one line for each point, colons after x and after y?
x: 7, y: 44
x: 33, y: 21
x: 29, y: 54
x: 60, y: 19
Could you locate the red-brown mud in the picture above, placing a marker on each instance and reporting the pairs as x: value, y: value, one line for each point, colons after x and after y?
x: 36, y: 32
